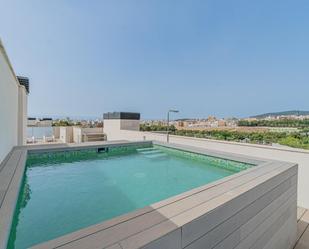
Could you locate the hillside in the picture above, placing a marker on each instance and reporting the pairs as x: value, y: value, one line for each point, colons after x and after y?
x: 285, y: 113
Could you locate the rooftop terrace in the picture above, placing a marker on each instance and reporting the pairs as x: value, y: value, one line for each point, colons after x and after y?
x: 255, y: 207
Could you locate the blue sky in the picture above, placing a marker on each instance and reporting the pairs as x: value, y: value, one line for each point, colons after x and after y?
x: 218, y: 57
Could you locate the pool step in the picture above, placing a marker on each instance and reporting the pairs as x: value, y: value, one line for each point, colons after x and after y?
x: 152, y: 153
x: 156, y: 156
x: 146, y: 149
x: 149, y: 152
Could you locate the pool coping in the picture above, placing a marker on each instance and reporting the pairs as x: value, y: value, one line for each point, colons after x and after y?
x: 154, y: 217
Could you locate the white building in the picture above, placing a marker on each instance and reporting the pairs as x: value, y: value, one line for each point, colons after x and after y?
x: 13, y: 107
x: 45, y: 122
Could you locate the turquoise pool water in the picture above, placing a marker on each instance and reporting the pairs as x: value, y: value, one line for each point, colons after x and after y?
x: 66, y: 191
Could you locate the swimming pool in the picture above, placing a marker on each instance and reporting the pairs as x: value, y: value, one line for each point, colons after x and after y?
x: 66, y: 191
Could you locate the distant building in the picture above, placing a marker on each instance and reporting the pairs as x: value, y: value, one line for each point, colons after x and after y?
x: 32, y: 121
x: 211, y: 118
x: 43, y: 122
x: 221, y: 123
x: 115, y: 122
x: 46, y: 122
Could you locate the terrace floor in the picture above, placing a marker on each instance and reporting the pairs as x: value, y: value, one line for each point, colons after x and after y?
x: 302, y: 229
x: 8, y: 173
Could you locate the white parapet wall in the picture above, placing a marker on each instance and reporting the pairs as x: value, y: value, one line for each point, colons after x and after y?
x: 299, y: 156
x: 77, y: 134
x: 13, y: 107
x: 66, y: 134
x: 56, y: 132
x: 22, y: 115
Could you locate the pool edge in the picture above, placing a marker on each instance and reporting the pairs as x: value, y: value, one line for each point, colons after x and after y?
x: 88, y: 231
x: 10, y: 183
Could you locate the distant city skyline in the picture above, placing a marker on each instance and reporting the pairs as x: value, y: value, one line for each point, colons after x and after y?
x: 221, y: 58
x: 290, y: 113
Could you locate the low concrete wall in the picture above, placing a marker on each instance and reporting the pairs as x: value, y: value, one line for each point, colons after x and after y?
x: 78, y: 133
x: 92, y: 130
x: 56, y: 132
x: 301, y: 157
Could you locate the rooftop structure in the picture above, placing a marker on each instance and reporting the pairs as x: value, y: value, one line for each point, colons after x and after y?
x: 122, y: 115
x: 114, y: 122
x: 24, y: 81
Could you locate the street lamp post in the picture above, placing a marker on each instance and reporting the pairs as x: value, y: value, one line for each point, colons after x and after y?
x: 168, y: 124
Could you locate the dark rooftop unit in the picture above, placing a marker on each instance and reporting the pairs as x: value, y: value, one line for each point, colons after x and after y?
x: 24, y: 81
x: 122, y: 115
